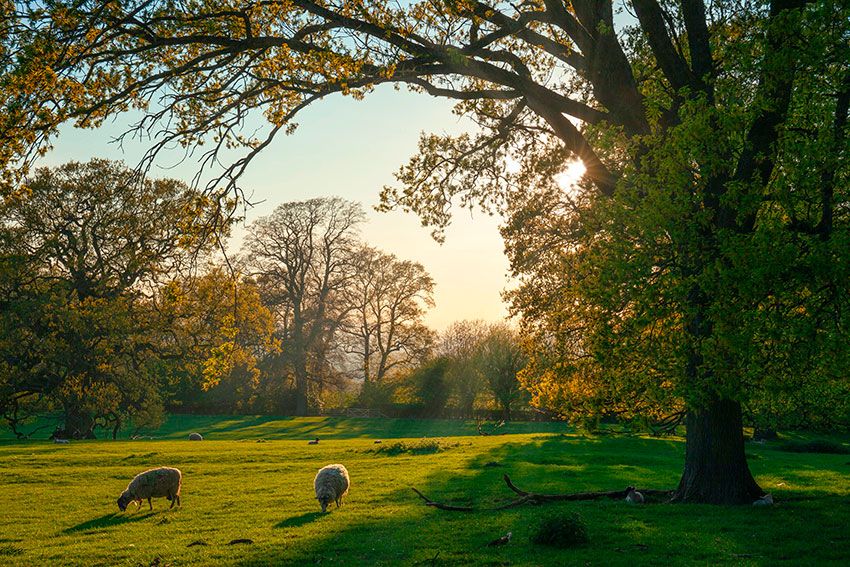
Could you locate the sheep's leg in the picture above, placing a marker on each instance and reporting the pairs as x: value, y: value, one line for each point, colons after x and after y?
x: 178, y: 499
x: 171, y: 497
x: 149, y: 504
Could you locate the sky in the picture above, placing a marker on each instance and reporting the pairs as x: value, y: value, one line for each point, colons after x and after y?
x: 350, y: 149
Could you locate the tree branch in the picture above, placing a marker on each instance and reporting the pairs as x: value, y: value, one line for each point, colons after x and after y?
x: 537, y: 498
x: 693, y: 12
x: 651, y: 19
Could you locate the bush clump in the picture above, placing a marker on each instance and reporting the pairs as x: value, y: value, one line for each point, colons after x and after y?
x: 422, y: 447
x: 817, y: 446
x: 561, y: 530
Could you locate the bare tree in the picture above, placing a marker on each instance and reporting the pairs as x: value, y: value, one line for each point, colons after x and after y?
x: 388, y: 298
x: 302, y: 252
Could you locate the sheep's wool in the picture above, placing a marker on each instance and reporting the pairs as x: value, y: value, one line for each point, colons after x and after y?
x: 162, y: 482
x: 331, y: 484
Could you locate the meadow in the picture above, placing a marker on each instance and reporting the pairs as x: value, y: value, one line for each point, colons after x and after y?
x: 251, y: 478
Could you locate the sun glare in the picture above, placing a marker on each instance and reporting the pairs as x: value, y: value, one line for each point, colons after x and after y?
x: 512, y: 165
x: 571, y: 175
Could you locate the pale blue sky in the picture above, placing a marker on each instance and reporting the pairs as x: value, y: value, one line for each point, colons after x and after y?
x: 350, y: 149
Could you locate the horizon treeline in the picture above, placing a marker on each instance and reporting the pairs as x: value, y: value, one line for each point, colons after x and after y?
x: 118, y: 306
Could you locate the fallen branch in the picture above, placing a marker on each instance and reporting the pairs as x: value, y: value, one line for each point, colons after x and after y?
x: 450, y: 507
x: 535, y: 498
x: 667, y: 425
x: 453, y: 508
x: 614, y: 494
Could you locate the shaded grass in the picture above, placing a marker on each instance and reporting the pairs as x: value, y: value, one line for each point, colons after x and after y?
x: 8, y: 549
x: 815, y: 446
x: 105, y: 521
x: 65, y: 512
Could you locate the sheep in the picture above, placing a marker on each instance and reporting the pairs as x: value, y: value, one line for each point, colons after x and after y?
x: 313, y: 442
x: 766, y: 500
x: 331, y: 484
x: 196, y: 437
x: 633, y: 496
x: 153, y: 483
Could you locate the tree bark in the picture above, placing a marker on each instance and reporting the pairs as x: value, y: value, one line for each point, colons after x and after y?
x: 506, y: 411
x: 300, y: 392
x: 716, y: 470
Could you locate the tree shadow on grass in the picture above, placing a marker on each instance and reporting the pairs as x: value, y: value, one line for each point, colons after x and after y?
x: 106, y: 521
x: 400, y: 529
x: 296, y: 521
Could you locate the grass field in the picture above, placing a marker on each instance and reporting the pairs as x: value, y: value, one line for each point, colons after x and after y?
x: 252, y: 478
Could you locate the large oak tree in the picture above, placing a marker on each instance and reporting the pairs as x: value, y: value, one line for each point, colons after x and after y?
x: 84, y: 248
x: 714, y: 136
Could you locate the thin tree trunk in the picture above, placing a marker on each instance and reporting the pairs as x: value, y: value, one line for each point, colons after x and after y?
x: 716, y: 470
x: 506, y: 410
x: 300, y: 392
x: 78, y: 424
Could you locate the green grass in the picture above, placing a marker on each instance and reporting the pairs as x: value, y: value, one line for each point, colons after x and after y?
x: 234, y: 427
x: 58, y: 501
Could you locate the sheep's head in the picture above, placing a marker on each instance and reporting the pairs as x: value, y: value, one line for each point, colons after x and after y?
x: 124, y: 500
x: 323, y: 502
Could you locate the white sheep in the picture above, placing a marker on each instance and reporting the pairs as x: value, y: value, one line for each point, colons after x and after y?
x: 153, y: 483
x: 633, y: 496
x: 331, y: 484
x: 766, y: 500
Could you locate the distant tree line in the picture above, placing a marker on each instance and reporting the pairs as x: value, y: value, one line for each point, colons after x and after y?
x: 116, y: 308
x: 472, y: 372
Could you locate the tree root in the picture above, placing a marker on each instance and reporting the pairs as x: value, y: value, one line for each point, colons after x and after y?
x: 537, y: 498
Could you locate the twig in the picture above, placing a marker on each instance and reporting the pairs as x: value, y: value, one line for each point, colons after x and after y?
x: 450, y: 507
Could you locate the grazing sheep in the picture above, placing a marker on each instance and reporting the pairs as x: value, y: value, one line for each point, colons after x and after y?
x: 633, y: 496
x: 58, y: 441
x: 154, y: 483
x: 331, y: 484
x: 766, y: 500
x: 314, y: 441
x: 196, y: 437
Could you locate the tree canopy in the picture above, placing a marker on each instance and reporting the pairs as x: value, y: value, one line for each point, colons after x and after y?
x: 84, y: 248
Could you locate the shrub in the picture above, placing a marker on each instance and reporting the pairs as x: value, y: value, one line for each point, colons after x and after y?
x: 432, y: 388
x: 376, y: 396
x: 423, y: 447
x: 561, y: 530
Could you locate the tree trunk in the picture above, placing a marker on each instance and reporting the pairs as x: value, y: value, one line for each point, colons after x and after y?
x: 506, y: 411
x: 300, y: 392
x: 716, y: 470
x: 78, y: 425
